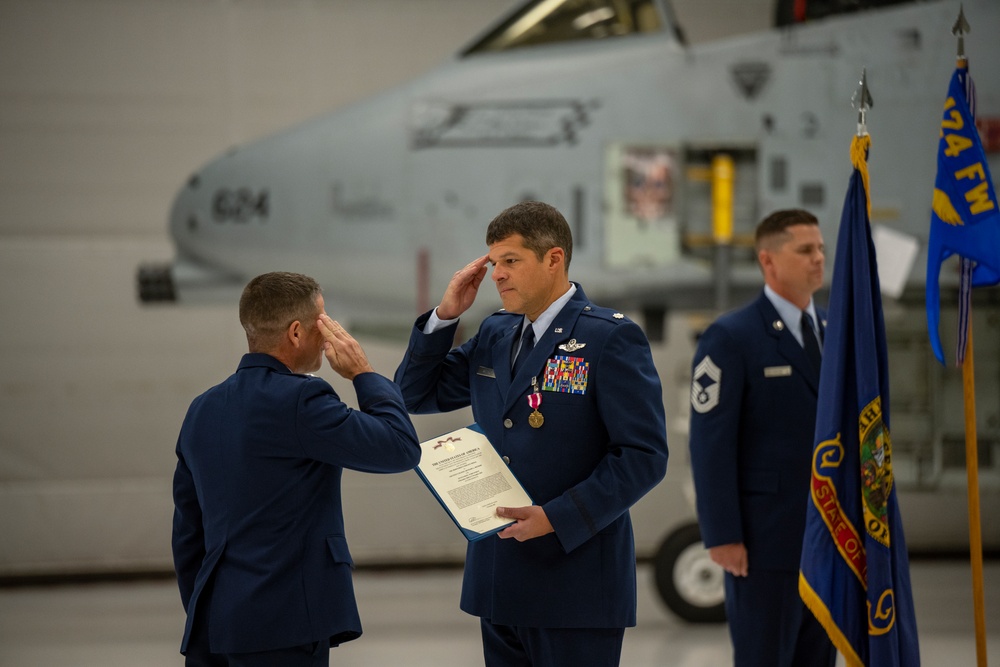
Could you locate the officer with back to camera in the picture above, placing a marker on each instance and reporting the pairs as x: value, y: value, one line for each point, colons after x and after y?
x: 259, y: 547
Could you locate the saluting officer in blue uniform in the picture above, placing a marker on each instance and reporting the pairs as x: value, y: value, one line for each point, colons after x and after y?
x: 258, y: 537
x: 753, y: 397
x: 578, y: 418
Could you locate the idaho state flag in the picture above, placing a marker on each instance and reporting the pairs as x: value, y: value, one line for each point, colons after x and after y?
x: 965, y: 219
x: 854, y: 572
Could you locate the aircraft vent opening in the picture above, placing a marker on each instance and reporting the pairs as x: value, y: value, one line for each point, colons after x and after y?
x: 779, y: 173
x: 155, y: 283
x: 811, y: 195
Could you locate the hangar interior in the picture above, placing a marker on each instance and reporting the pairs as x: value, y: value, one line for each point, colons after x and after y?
x: 106, y: 108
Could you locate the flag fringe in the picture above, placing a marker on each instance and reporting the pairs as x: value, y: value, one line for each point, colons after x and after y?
x: 815, y: 604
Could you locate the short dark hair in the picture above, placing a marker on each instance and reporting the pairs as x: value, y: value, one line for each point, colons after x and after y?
x: 541, y: 226
x: 778, y: 222
x: 271, y: 302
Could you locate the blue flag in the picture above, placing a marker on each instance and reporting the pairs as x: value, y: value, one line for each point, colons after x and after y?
x: 965, y: 218
x: 854, y: 572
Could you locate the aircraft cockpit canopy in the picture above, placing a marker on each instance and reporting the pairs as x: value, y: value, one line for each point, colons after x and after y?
x: 552, y: 21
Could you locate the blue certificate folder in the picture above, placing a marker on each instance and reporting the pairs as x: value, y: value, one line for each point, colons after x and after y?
x: 470, y: 480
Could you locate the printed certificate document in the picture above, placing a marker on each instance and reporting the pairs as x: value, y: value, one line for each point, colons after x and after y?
x: 470, y: 480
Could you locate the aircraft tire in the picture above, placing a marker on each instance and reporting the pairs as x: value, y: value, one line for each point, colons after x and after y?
x: 690, y: 584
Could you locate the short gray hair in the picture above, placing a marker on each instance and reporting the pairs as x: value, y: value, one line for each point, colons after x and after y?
x: 271, y: 302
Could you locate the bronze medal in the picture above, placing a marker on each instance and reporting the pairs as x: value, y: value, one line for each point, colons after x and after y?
x: 535, y: 419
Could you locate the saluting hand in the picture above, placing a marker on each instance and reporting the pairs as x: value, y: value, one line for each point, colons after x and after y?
x: 343, y: 352
x: 462, y: 289
x: 531, y: 522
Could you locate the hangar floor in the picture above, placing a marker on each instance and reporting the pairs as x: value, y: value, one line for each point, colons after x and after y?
x: 412, y: 619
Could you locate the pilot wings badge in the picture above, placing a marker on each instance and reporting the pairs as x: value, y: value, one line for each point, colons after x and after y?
x: 572, y: 346
x: 705, y: 386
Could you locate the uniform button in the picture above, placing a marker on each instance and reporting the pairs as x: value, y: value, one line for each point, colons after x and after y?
x: 506, y: 460
x: 507, y: 423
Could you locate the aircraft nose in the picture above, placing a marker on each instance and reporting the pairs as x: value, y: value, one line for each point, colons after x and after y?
x: 190, y: 274
x: 184, y: 217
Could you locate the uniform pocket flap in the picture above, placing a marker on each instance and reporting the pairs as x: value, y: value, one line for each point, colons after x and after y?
x: 339, y: 550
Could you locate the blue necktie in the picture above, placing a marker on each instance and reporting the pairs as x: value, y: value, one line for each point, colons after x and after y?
x: 810, y: 343
x: 527, y: 344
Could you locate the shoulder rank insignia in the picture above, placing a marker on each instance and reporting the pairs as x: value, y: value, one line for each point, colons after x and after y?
x: 572, y: 346
x: 618, y: 316
x: 705, y: 386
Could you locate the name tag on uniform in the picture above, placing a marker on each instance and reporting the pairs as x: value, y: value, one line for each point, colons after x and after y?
x: 486, y: 372
x: 777, y: 371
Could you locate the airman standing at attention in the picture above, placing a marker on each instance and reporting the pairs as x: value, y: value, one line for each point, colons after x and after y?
x: 753, y: 397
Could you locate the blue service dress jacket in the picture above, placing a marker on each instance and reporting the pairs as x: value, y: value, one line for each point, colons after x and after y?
x: 753, y: 417
x: 258, y: 505
x: 601, y: 447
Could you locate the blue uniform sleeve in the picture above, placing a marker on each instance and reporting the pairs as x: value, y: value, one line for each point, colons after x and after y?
x: 188, y: 540
x: 432, y: 376
x: 379, y: 437
x: 718, y: 377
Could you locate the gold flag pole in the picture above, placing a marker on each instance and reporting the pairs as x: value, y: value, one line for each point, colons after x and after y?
x: 972, y: 470
x: 960, y: 28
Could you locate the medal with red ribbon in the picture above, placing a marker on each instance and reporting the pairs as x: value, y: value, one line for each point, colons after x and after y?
x: 535, y: 419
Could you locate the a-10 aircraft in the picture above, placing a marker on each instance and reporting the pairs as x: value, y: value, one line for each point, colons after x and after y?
x: 663, y: 156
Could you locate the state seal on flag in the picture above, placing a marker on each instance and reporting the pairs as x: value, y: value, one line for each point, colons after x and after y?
x: 876, y: 470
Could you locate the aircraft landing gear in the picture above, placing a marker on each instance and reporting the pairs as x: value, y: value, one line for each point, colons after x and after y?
x: 690, y: 584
